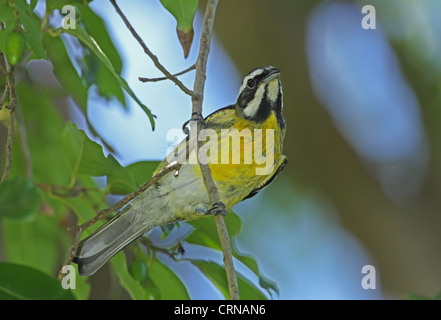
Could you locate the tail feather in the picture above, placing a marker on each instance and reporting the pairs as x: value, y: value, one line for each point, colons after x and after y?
x: 94, y: 251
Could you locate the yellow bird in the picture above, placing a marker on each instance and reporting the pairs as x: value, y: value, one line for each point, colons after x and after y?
x: 242, y: 144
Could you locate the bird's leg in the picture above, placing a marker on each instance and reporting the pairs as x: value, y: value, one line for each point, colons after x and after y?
x: 218, y: 208
x: 195, y: 116
x: 204, y: 209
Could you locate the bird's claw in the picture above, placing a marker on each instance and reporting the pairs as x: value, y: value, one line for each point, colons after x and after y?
x: 195, y: 116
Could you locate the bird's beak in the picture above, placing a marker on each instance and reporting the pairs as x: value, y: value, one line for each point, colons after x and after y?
x: 273, y: 74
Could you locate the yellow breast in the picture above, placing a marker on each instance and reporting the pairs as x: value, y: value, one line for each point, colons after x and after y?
x: 246, y: 155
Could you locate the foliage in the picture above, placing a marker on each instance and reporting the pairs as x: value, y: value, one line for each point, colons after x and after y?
x: 52, y: 183
x: 19, y: 282
x: 183, y: 11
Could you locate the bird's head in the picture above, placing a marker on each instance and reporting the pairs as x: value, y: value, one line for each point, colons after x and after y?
x: 260, y: 94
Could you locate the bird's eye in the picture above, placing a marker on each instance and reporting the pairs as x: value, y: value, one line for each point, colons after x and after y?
x: 251, y: 83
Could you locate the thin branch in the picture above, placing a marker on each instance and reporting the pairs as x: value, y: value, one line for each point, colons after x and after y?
x: 150, y: 54
x: 166, y: 78
x: 199, y: 84
x: 6, y: 72
x: 118, y: 205
x: 66, y: 191
x: 5, y: 96
x: 9, y: 146
x: 12, y: 105
x: 171, y: 252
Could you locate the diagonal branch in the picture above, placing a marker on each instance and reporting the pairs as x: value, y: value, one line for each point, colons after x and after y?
x: 155, y: 60
x: 5, y: 96
x: 9, y: 73
x: 165, y: 78
x: 199, y: 84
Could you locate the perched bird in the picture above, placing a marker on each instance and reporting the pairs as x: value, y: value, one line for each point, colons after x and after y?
x: 255, y: 119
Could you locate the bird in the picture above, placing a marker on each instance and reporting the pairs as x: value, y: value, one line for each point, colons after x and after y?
x: 258, y: 120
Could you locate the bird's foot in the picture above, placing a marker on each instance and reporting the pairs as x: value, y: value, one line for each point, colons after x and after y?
x: 204, y: 209
x: 197, y: 117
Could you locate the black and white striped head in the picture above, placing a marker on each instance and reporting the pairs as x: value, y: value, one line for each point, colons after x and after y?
x: 260, y: 93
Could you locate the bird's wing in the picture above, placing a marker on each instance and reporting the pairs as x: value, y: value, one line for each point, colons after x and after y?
x: 281, y: 163
x: 219, y: 119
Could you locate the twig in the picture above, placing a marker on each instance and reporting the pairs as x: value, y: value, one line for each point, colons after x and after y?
x: 9, y: 146
x: 150, y: 54
x: 165, y: 78
x: 171, y: 252
x: 5, y: 72
x: 66, y: 191
x: 5, y: 96
x: 12, y: 104
x: 199, y: 84
x: 118, y: 205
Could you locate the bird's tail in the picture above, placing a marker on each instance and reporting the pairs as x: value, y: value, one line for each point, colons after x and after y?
x: 94, y: 251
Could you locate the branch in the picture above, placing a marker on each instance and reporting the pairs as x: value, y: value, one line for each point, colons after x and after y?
x: 165, y: 78
x: 155, y: 60
x: 170, y: 252
x: 65, y: 191
x: 9, y: 73
x: 199, y: 84
x: 5, y: 96
x: 118, y: 205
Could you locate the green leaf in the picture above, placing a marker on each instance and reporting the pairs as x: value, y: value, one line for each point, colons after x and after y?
x: 83, y: 287
x: 183, y: 11
x: 90, y: 42
x: 108, y: 86
x: 19, y: 199
x: 42, y: 135
x: 83, y: 210
x: 65, y: 71
x: 205, y: 234
x: 83, y: 155
x: 168, y: 283
x: 97, y: 29
x: 143, y: 171
x: 121, y: 181
x: 7, y: 16
x: 132, y: 286
x: 217, y: 275
x: 247, y: 290
x: 31, y: 23
x: 128, y: 179
x: 138, y: 270
x: 58, y: 4
x: 35, y: 243
x: 14, y: 47
x: 251, y: 263
x: 19, y: 282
